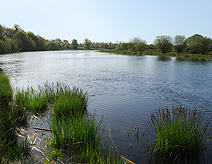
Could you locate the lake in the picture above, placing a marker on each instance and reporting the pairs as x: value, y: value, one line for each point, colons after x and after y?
x: 124, y: 90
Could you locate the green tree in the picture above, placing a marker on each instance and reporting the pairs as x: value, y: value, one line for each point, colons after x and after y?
x: 197, y: 44
x: 74, y: 44
x: 163, y: 43
x: 1, y: 32
x: 87, y: 43
x: 179, y: 43
x: 66, y: 44
x: 59, y: 43
x: 122, y: 46
x: 2, y: 47
x: 33, y: 37
x: 21, y: 38
x: 141, y: 47
x: 41, y: 44
x: 133, y: 42
x: 52, y: 45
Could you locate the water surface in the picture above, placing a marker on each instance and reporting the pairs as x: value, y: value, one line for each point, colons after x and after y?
x: 123, y: 89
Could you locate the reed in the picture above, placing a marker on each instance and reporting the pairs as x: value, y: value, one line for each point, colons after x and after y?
x: 10, y: 149
x: 5, y: 89
x: 179, y: 132
x: 70, y: 104
x: 31, y: 100
x: 75, y: 132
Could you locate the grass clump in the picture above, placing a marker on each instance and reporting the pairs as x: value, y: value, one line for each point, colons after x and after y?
x: 5, y: 89
x: 75, y: 133
x: 31, y: 100
x: 70, y: 104
x: 10, y: 148
x: 179, y: 132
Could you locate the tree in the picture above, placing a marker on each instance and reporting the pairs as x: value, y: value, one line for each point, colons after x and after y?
x: 133, y: 42
x: 59, y: 43
x: 2, y: 47
x: 17, y: 27
x: 42, y: 44
x: 1, y: 33
x: 21, y: 38
x: 33, y: 36
x: 25, y: 43
x: 164, y: 43
x: 141, y: 47
x: 74, y: 44
x: 122, y: 46
x: 52, y: 45
x: 87, y: 43
x: 197, y: 44
x: 136, y: 40
x: 179, y: 43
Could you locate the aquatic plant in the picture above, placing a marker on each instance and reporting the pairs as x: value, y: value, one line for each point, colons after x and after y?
x: 31, y: 100
x: 75, y: 133
x: 10, y: 149
x: 179, y: 132
x: 70, y: 104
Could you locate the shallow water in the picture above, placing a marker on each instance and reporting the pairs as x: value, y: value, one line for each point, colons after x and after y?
x: 123, y: 89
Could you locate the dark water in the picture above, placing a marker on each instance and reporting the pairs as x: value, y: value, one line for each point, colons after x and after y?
x: 123, y: 89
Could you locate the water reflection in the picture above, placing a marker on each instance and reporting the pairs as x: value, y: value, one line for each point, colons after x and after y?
x: 201, y: 60
x: 164, y: 58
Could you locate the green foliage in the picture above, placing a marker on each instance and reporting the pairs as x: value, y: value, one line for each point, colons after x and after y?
x: 31, y: 100
x: 87, y: 43
x: 73, y: 103
x: 75, y: 133
x: 2, y: 47
x: 5, y: 89
x: 179, y: 132
x: 179, y: 43
x: 198, y: 44
x: 140, y: 47
x: 10, y: 149
x: 164, y: 43
x: 122, y: 47
x: 74, y: 44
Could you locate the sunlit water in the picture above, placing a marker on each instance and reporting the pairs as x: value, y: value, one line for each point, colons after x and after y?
x: 124, y: 90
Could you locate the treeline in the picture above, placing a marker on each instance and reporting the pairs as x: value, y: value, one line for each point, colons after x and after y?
x: 17, y: 40
x: 196, y: 44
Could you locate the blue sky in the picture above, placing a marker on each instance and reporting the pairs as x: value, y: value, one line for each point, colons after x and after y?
x: 109, y: 20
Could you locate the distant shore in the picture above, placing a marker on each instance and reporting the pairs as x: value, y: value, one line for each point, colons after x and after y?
x: 131, y: 53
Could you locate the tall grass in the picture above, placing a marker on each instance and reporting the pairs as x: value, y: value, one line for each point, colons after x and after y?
x: 179, y: 132
x: 31, y: 100
x: 10, y: 149
x: 70, y: 104
x: 75, y: 132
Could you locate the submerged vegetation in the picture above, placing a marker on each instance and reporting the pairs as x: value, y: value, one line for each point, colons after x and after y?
x: 179, y: 133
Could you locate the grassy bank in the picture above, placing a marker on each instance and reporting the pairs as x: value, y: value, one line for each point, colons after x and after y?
x: 205, y: 56
x: 10, y: 148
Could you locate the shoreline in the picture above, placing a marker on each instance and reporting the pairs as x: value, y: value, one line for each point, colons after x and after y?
x: 130, y: 53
